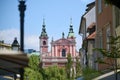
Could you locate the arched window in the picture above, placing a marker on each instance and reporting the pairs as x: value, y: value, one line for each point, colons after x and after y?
x: 63, y: 53
x: 44, y: 42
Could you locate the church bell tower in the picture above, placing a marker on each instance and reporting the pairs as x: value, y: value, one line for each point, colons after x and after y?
x: 71, y: 32
x: 43, y: 39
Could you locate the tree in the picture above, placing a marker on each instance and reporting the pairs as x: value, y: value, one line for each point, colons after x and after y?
x: 78, y: 67
x: 69, y: 66
x: 113, y: 2
x: 33, y: 71
x: 55, y: 73
x: 113, y: 54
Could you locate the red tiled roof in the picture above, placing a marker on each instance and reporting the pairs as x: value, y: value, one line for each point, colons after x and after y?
x: 92, y: 36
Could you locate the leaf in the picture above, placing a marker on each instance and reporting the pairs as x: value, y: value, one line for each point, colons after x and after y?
x: 99, y: 60
x: 102, y: 51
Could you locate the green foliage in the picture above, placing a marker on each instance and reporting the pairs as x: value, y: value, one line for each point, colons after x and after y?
x: 89, y: 73
x: 78, y: 67
x: 34, y: 62
x: 33, y: 71
x: 55, y: 73
x: 30, y: 74
x: 113, y: 53
x: 69, y: 66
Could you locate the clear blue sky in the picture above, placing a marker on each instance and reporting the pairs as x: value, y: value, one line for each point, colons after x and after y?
x: 57, y: 14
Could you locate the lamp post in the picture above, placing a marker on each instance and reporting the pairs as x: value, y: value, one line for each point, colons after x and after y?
x: 22, y: 8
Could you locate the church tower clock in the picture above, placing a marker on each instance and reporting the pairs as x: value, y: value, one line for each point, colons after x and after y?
x: 43, y: 39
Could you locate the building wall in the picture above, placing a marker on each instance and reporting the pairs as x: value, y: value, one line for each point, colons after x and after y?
x: 82, y: 30
x: 90, y: 16
x: 91, y: 57
x: 44, y: 47
x: 104, y: 18
x: 87, y: 19
x: 117, y: 20
x: 55, y: 56
x: 57, y: 50
x: 4, y: 46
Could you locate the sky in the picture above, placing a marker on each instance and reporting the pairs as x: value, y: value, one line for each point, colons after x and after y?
x: 57, y: 14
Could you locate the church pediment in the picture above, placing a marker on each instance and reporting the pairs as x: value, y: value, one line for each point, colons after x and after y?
x: 62, y: 41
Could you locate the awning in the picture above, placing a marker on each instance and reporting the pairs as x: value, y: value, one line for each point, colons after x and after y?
x: 12, y: 61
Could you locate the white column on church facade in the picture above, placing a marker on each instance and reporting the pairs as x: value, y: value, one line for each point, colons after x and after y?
x: 60, y: 54
x: 52, y: 51
x: 71, y: 49
x: 74, y: 51
x: 41, y: 49
x: 56, y: 51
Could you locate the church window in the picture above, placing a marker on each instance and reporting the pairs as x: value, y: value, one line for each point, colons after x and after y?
x: 44, y: 42
x: 63, y: 53
x: 108, y: 34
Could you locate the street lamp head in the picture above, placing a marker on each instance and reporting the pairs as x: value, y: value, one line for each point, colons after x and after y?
x: 15, y: 45
x: 22, y: 0
x: 22, y: 6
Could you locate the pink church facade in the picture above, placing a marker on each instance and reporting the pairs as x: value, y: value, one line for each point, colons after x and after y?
x: 59, y: 48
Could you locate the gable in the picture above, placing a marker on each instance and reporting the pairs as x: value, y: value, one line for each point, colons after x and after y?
x: 62, y: 41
